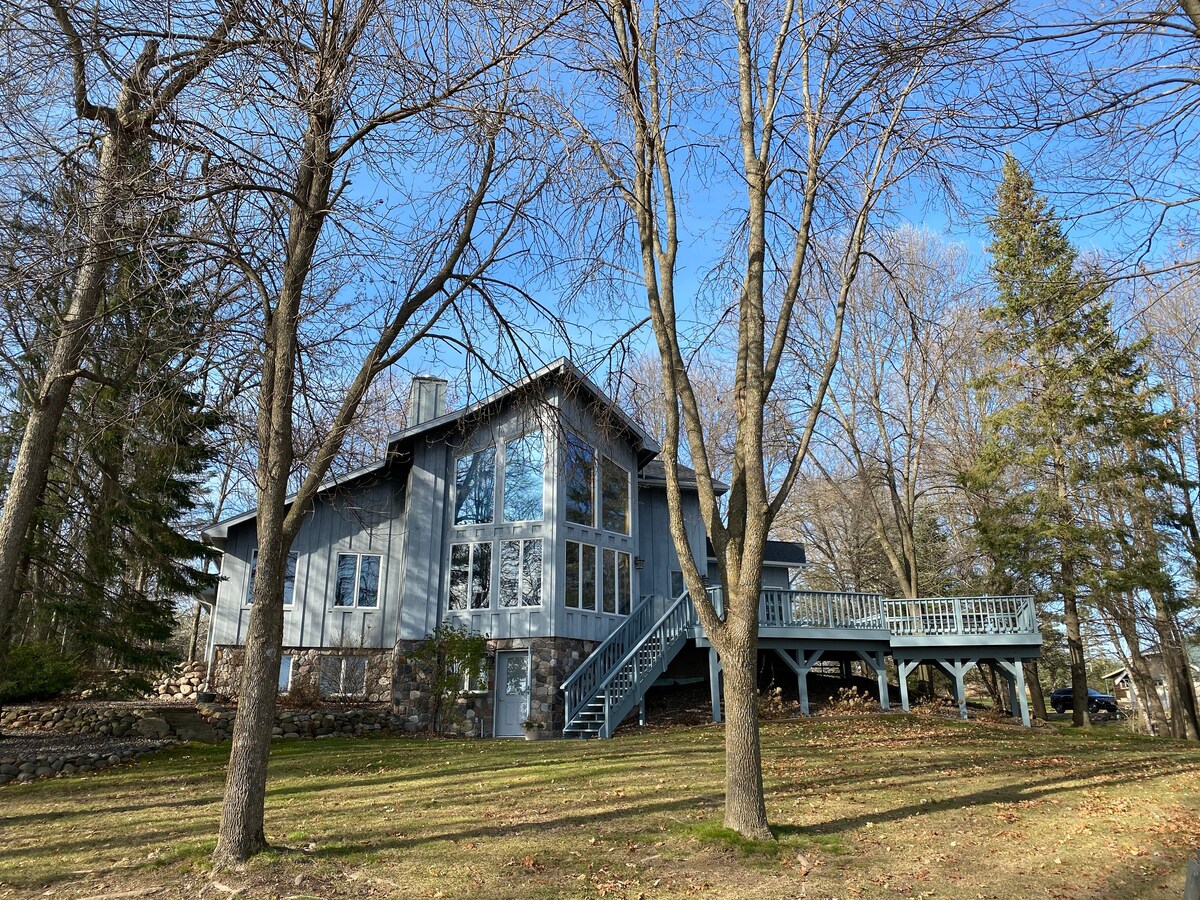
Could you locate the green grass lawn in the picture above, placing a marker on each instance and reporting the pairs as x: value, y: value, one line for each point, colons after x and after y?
x: 872, y: 806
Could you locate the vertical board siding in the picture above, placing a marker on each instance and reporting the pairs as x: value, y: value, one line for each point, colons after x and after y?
x: 367, y: 517
x: 658, y: 547
x: 424, y: 544
x: 405, y: 517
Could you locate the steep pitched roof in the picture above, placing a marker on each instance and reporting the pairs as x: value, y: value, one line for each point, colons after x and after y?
x: 561, y: 368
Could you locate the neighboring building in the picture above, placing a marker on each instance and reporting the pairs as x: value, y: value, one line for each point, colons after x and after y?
x: 1125, y: 690
x: 538, y: 517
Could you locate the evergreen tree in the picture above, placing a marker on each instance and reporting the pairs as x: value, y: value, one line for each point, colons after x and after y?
x: 1075, y: 419
x: 106, y: 560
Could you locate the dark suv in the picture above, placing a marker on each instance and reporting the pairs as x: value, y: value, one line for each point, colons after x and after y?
x: 1097, y: 702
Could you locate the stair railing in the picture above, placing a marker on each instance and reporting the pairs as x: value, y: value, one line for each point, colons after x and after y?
x: 627, y: 675
x: 580, y: 686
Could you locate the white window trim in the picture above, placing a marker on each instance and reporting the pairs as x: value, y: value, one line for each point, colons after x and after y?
x: 338, y: 554
x: 342, y: 658
x: 595, y: 576
x: 291, y: 670
x: 596, y: 456
x: 493, y: 564
x: 520, y: 604
x: 481, y: 683
x: 602, y: 582
x: 628, y: 532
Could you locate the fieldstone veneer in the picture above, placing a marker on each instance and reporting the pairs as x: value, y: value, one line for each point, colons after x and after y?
x: 552, y: 660
x: 306, y: 668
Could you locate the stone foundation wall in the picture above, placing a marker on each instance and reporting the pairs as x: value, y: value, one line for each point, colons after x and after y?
x: 306, y: 668
x: 412, y: 698
x: 552, y: 660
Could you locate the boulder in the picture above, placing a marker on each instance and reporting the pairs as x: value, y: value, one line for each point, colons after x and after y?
x: 152, y: 727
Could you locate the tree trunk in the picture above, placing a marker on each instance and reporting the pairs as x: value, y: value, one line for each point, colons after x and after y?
x: 45, y: 415
x: 47, y: 408
x: 241, y: 833
x: 991, y: 683
x: 1079, y: 685
x: 1037, y: 699
x: 1139, y: 670
x: 745, y: 809
x: 195, y: 636
x: 1176, y: 668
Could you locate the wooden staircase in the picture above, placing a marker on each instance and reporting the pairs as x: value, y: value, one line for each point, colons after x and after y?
x: 614, y: 679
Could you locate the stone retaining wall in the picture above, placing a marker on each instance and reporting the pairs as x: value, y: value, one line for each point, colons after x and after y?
x: 180, y: 683
x: 204, y: 721
x: 28, y: 767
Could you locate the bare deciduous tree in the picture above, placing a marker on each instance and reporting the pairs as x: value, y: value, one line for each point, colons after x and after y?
x: 426, y: 101
x: 122, y: 81
x: 907, y: 330
x: 795, y: 120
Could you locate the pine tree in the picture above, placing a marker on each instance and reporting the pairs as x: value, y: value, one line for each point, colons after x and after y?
x: 105, y: 560
x: 1075, y: 419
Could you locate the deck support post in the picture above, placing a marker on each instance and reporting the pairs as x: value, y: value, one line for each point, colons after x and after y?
x: 1019, y: 667
x: 845, y: 669
x: 1015, y: 670
x: 714, y: 682
x: 875, y: 660
x: 642, y: 710
x: 802, y: 665
x: 957, y: 669
x: 904, y: 668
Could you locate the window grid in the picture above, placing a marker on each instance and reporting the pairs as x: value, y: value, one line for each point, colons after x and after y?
x: 470, y: 575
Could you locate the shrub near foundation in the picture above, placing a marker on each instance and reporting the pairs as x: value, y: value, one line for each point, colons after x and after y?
x: 37, y: 671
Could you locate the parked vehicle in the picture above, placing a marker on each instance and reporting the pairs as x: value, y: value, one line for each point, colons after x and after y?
x: 1062, y: 700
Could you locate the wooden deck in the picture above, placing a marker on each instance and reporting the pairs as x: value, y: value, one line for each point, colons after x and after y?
x: 803, y: 628
x: 953, y: 633
x: 928, y: 622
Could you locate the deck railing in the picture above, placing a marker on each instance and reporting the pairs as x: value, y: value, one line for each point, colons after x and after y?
x: 644, y: 662
x: 961, y: 616
x: 820, y: 609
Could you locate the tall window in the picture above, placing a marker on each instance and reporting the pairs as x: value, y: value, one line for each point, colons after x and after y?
x: 357, y: 580
x: 581, y: 576
x: 475, y: 488
x: 614, y: 497
x: 521, y: 573
x: 677, y: 584
x: 617, y: 582
x: 580, y: 470
x: 523, y: 464
x: 289, y: 577
x: 471, y: 575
